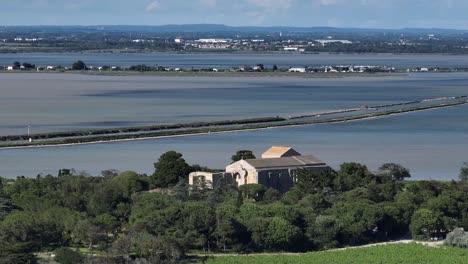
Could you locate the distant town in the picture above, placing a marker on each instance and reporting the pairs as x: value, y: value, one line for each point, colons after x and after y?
x: 219, y: 38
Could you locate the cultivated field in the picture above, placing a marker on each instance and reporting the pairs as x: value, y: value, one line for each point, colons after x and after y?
x: 388, y: 254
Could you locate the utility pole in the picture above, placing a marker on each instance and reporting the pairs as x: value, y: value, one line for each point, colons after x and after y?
x: 29, y: 133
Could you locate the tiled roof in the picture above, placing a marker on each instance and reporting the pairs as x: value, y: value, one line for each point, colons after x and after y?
x: 276, y: 152
x: 288, y: 162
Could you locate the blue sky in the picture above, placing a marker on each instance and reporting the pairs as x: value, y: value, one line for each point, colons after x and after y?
x: 336, y: 13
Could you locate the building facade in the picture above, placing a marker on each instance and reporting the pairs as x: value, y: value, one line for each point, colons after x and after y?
x: 276, y: 169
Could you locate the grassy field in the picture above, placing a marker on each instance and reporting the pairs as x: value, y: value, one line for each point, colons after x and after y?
x: 388, y: 254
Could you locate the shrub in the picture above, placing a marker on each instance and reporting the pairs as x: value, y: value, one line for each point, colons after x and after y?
x: 457, y: 238
x: 68, y: 256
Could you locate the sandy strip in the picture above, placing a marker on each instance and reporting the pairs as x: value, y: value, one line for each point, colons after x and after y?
x: 219, y: 132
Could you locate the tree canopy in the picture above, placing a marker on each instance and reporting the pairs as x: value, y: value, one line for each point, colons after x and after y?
x: 464, y: 172
x: 242, y: 155
x: 118, y: 218
x: 170, y: 169
x: 79, y: 65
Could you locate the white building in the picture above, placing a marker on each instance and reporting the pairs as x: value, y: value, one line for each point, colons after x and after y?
x: 303, y: 70
x: 324, y: 42
x: 291, y: 48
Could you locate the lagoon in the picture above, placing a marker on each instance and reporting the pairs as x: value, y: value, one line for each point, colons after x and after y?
x: 433, y: 144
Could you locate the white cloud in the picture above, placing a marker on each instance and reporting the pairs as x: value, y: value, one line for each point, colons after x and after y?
x: 152, y: 6
x: 209, y: 3
x: 328, y: 2
x: 272, y: 4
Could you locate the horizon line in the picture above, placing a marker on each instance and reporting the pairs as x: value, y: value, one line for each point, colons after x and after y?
x: 234, y: 26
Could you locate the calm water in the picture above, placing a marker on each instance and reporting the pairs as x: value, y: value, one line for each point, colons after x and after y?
x: 430, y: 143
x: 433, y: 144
x: 58, y: 102
x: 230, y: 60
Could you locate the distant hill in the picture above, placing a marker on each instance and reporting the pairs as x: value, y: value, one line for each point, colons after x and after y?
x: 223, y: 28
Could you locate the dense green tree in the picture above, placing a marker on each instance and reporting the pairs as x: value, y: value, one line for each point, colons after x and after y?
x: 87, y: 233
x: 395, y: 171
x: 424, y: 224
x: 5, y: 207
x: 253, y: 191
x: 79, y: 65
x: 129, y: 182
x: 157, y: 249
x: 170, y: 169
x: 68, y: 256
x: 271, y: 195
x: 310, y: 181
x: 228, y: 230
x: 16, y: 65
x: 352, y: 175
x: 324, y: 231
x: 242, y: 155
x: 464, y: 172
x: 273, y: 233
x: 16, y: 252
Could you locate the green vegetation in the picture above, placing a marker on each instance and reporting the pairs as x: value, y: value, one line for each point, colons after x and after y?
x: 68, y: 256
x: 132, y: 218
x: 457, y: 238
x: 242, y: 155
x: 79, y: 66
x: 389, y: 254
x: 464, y: 172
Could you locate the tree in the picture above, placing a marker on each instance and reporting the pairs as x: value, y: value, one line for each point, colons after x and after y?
x: 464, y: 172
x: 273, y: 233
x: 68, y: 256
x: 16, y: 253
x: 423, y: 224
x: 275, y: 68
x: 79, y: 65
x: 5, y: 207
x: 129, y: 182
x: 457, y: 238
x: 309, y: 181
x: 87, y: 233
x: 395, y: 171
x: 352, y: 175
x: 242, y: 155
x: 16, y: 65
x: 324, y: 231
x: 253, y: 191
x: 170, y: 169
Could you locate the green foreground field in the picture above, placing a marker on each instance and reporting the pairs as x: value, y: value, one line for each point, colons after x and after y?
x: 388, y: 254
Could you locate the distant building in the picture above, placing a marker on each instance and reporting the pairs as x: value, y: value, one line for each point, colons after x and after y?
x: 276, y: 169
x: 10, y: 68
x: 213, y: 40
x: 291, y: 48
x: 329, y: 41
x: 297, y: 70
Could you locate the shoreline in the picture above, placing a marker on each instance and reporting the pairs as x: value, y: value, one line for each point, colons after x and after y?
x: 221, y: 74
x: 227, y: 52
x: 226, y: 131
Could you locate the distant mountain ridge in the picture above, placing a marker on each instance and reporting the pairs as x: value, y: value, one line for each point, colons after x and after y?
x: 251, y: 29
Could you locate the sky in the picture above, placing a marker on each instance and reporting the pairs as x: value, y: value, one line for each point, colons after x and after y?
x: 302, y: 13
